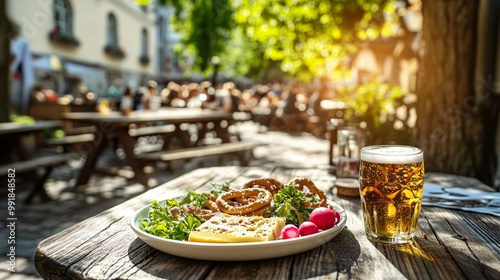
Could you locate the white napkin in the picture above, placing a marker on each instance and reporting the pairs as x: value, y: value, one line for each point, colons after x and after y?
x: 461, y: 199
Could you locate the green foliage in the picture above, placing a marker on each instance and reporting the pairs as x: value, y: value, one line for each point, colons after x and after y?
x: 382, y: 107
x: 22, y: 119
x: 244, y: 57
x: 304, y: 38
x: 206, y: 27
x: 307, y: 35
x: 142, y: 2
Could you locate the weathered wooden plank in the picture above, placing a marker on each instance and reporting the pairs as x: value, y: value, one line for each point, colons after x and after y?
x: 98, y: 242
x: 449, y: 244
x: 152, y: 264
x: 34, y: 163
x: 70, y: 139
x: 462, y: 245
x: 151, y: 130
x: 188, y: 153
x: 260, y: 269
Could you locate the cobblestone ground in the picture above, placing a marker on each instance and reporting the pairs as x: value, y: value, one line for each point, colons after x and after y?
x: 38, y: 220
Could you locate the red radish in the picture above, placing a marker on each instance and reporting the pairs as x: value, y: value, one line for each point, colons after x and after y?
x: 289, y: 231
x: 324, y: 218
x: 307, y: 228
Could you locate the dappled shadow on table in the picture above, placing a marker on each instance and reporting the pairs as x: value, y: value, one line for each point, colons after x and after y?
x: 426, y: 258
x: 342, y: 251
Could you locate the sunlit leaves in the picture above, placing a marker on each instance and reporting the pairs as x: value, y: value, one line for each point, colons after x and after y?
x: 142, y: 2
x: 308, y: 38
x: 303, y: 33
x: 375, y: 104
x: 205, y: 26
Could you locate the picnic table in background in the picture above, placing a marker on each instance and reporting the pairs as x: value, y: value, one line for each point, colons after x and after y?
x: 450, y: 244
x: 116, y: 124
x: 23, y: 156
x: 53, y: 111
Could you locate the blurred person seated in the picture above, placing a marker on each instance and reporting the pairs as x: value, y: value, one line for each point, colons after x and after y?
x: 223, y: 97
x: 151, y: 100
x: 172, y: 98
x: 139, y: 94
x: 194, y: 99
x: 317, y: 116
x: 218, y: 99
x: 115, y: 91
x: 235, y: 99
x: 265, y: 109
x: 41, y: 94
x: 208, y: 99
x: 126, y: 104
x: 290, y: 116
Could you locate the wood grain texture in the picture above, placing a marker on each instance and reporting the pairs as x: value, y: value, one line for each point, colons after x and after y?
x: 449, y: 244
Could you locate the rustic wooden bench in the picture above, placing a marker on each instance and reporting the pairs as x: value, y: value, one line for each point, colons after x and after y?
x: 151, y: 130
x: 238, y: 149
x: 31, y: 166
x: 167, y: 132
x: 70, y: 139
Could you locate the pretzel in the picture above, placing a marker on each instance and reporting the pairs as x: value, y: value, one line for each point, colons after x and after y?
x: 190, y: 209
x: 270, y: 184
x: 257, y: 198
x: 259, y: 212
x: 212, y: 206
x: 300, y: 183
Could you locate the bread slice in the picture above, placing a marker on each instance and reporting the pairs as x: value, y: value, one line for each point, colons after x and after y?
x: 224, y: 228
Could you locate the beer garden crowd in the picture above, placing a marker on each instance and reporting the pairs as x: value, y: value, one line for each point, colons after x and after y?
x: 291, y: 107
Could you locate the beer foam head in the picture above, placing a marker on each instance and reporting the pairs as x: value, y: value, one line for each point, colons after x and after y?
x: 392, y: 154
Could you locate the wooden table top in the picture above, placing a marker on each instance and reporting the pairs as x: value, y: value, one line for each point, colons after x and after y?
x: 171, y: 115
x: 10, y: 128
x: 449, y: 244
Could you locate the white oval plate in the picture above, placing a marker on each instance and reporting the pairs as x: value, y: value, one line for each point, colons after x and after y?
x: 243, y: 251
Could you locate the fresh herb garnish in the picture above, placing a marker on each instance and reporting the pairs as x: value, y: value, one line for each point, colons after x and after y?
x: 289, y: 203
x: 218, y: 189
x: 196, y: 199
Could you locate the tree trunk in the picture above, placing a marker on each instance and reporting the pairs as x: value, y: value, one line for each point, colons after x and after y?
x: 457, y: 119
x: 4, y: 63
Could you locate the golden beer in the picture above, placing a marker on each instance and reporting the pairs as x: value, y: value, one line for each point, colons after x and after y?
x: 391, y: 186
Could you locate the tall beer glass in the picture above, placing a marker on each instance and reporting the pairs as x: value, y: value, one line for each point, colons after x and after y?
x: 391, y: 186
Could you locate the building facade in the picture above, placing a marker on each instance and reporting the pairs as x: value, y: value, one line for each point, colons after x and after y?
x: 77, y: 45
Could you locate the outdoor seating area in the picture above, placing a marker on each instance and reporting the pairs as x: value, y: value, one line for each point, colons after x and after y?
x: 117, y: 126
x: 153, y: 139
x: 120, y: 160
x: 179, y: 134
x: 298, y: 155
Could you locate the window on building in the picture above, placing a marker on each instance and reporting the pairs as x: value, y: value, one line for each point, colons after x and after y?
x: 112, y: 47
x: 62, y: 33
x: 144, y: 57
x: 144, y: 42
x: 112, y: 31
x: 162, y: 39
x: 63, y: 17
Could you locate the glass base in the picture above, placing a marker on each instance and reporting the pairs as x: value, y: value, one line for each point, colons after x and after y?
x: 391, y: 240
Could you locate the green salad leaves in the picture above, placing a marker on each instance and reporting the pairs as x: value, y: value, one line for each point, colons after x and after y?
x: 162, y: 223
x: 290, y: 203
